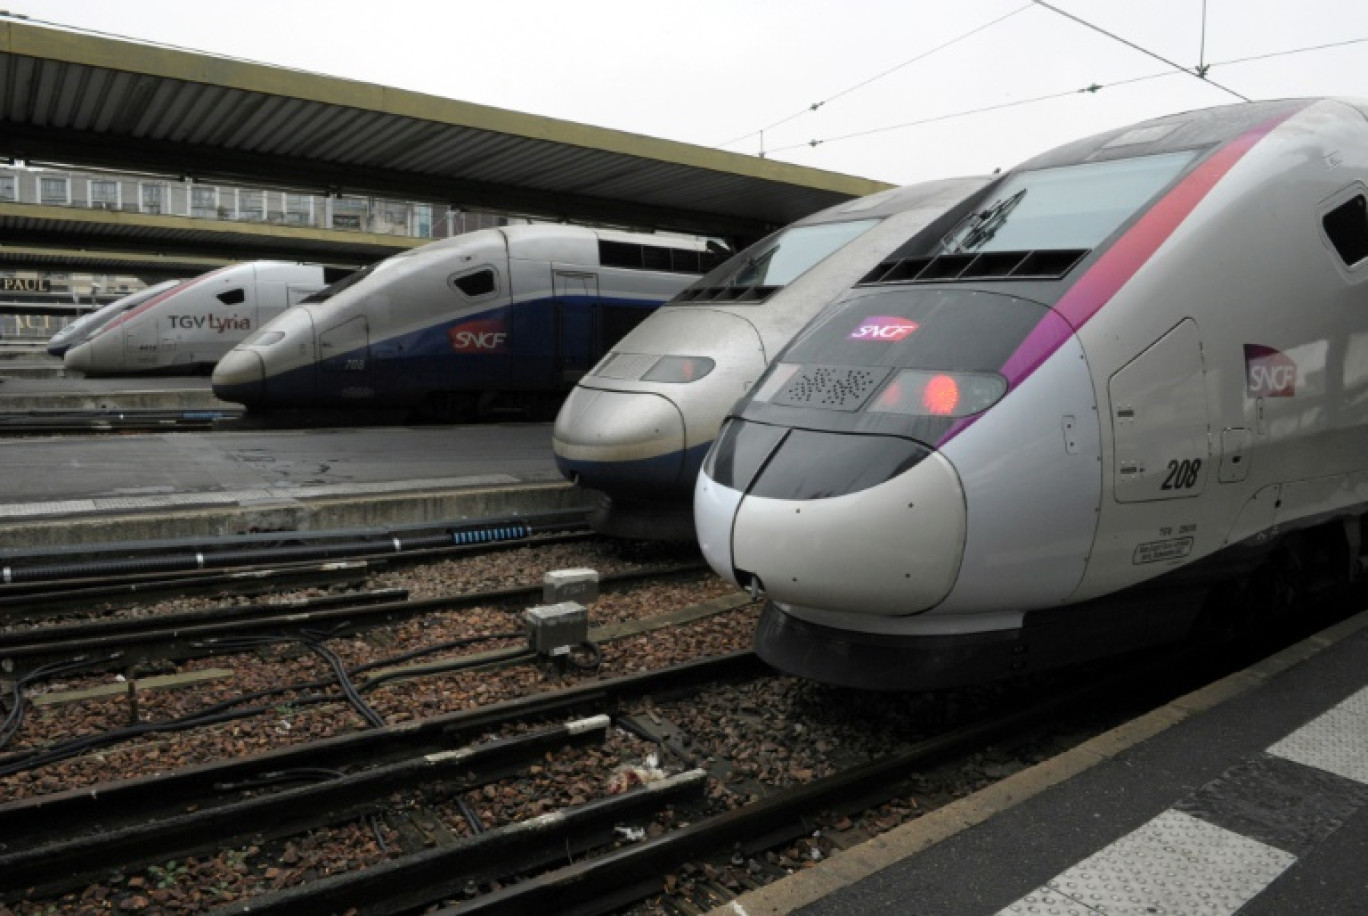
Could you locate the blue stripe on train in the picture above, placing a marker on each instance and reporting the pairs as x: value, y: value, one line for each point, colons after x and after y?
x: 664, y: 477
x: 550, y: 343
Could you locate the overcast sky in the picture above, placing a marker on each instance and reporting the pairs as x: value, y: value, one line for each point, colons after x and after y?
x: 896, y: 79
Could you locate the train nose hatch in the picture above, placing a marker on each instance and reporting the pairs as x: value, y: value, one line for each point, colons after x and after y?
x: 600, y: 435
x: 77, y: 358
x: 239, y: 376
x: 861, y: 524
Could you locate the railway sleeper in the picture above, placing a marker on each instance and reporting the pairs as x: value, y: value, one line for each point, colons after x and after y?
x: 52, y: 861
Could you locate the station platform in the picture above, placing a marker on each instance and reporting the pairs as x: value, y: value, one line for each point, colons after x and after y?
x: 99, y: 489
x: 40, y: 392
x: 1248, y: 796
x: 20, y: 358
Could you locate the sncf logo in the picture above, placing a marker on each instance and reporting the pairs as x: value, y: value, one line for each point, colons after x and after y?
x: 884, y: 327
x: 1269, y: 373
x: 487, y: 336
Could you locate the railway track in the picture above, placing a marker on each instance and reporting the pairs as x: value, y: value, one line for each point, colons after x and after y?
x: 512, y: 802
x: 27, y: 575
x: 130, y: 420
x: 125, y: 643
x: 591, y: 857
x: 149, y: 820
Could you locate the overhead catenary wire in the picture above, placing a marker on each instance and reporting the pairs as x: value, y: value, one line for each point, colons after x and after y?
x: 1271, y: 54
x: 950, y: 116
x: 1090, y: 89
x: 878, y: 76
x: 1199, y: 73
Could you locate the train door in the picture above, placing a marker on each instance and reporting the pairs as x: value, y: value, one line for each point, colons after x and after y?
x: 577, y: 320
x: 345, y: 348
x: 141, y: 340
x: 611, y: 324
x: 1159, y: 420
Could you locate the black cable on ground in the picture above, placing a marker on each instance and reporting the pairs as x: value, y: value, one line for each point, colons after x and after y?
x: 15, y: 719
x: 345, y: 682
x: 229, y: 710
x: 595, y: 657
x: 430, y: 650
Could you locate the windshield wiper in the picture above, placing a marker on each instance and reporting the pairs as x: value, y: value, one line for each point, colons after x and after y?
x: 982, y: 226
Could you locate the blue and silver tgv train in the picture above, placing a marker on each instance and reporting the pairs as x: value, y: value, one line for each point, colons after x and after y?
x: 636, y: 428
x: 509, y: 316
x: 1132, y: 378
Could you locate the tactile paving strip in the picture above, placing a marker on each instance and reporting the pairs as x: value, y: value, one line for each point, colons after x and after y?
x: 1200, y: 859
x: 1335, y: 741
x: 1175, y: 865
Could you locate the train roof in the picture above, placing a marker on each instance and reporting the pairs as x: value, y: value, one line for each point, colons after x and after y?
x: 886, y: 203
x: 1181, y: 131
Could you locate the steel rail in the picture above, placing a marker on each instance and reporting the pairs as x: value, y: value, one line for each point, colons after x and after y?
x: 49, y: 836
x: 58, y: 598
x: 24, y: 567
x: 195, y: 634
x: 47, y: 864
x: 56, y: 422
x: 22, y: 599
x: 613, y: 875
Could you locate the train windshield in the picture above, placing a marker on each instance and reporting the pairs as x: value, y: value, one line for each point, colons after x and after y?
x: 1074, y: 206
x: 779, y: 259
x: 906, y: 361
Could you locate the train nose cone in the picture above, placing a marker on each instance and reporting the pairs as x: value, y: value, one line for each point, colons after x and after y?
x: 240, y: 376
x: 77, y: 358
x: 887, y: 544
x: 623, y: 443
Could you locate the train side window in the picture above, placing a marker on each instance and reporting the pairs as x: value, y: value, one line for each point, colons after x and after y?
x: 1347, y: 228
x: 477, y: 284
x: 233, y: 297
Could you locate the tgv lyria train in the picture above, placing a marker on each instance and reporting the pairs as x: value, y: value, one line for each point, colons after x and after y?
x: 83, y: 327
x: 1132, y: 376
x: 186, y: 329
x: 637, y: 426
x: 498, y: 317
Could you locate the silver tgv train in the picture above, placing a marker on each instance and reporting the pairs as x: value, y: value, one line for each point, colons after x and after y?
x: 637, y: 426
x: 1132, y: 379
x: 184, y: 330
x: 509, y: 316
x: 82, y: 328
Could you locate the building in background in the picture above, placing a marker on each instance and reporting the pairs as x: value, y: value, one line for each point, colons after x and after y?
x: 138, y: 193
x: 162, y: 195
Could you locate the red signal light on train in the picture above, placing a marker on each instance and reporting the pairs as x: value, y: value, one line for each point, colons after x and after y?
x: 940, y: 396
x: 920, y: 393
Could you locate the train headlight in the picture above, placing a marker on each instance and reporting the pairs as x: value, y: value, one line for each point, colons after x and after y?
x: 920, y: 393
x: 679, y: 369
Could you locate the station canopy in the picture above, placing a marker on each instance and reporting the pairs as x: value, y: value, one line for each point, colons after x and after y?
x: 77, y: 99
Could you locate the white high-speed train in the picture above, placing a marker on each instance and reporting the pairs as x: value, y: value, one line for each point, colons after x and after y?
x: 1132, y: 376
x: 186, y: 329
x: 637, y: 426
x: 83, y: 327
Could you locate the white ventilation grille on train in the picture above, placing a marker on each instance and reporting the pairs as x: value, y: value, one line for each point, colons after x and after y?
x: 626, y: 366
